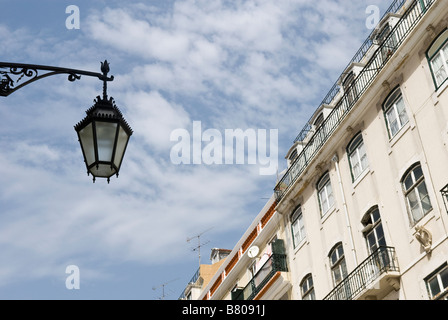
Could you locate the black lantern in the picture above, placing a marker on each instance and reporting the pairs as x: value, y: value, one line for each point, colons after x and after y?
x: 103, y: 135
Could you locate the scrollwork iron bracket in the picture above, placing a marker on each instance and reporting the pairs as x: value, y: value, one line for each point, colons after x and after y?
x: 14, y: 76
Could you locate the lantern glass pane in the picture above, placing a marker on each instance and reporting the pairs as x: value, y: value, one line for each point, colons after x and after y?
x: 102, y: 171
x: 121, y: 146
x: 105, y: 135
x: 86, y: 139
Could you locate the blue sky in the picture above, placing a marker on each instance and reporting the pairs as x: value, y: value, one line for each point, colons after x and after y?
x: 259, y: 64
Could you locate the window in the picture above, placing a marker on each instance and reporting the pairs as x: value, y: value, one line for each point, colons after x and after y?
x: 417, y: 197
x: 273, y: 239
x: 293, y: 156
x: 307, y: 288
x: 438, y: 59
x: 387, y: 41
x: 337, y: 263
x: 325, y: 194
x: 319, y: 120
x: 424, y: 4
x: 349, y: 88
x: 437, y: 284
x: 297, y: 226
x: 373, y: 230
x: 395, y: 112
x: 357, y: 156
x: 320, y: 129
x: 252, y: 269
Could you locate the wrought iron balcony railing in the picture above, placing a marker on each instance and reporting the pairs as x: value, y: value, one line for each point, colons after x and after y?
x: 359, y: 56
x: 381, y: 261
x: 444, y: 193
x: 193, y: 280
x: 277, y: 262
x: 409, y: 19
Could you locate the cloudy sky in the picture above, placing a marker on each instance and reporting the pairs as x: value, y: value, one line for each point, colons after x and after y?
x: 258, y: 64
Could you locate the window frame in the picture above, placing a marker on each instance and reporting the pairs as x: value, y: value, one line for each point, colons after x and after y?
x: 414, y: 189
x: 424, y: 4
x: 297, y: 216
x: 437, y: 51
x: 319, y: 121
x: 338, y: 264
x: 390, y: 103
x: 443, y: 293
x: 322, y: 185
x: 372, y: 226
x: 354, y: 147
x: 349, y: 86
x: 294, y: 155
x: 387, y: 41
x: 307, y: 288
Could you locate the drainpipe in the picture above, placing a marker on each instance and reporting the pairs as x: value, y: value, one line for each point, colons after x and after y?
x: 335, y: 159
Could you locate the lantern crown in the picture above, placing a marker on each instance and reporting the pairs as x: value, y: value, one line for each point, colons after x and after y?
x: 104, y: 109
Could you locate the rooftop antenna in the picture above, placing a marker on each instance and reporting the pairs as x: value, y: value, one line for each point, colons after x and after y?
x: 163, y: 285
x: 198, y: 247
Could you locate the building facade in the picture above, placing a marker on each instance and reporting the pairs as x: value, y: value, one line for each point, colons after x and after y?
x: 361, y: 212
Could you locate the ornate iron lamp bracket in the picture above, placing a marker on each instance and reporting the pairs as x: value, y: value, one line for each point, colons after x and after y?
x: 14, y: 76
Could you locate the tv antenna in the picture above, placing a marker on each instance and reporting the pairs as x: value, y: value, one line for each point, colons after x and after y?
x: 163, y: 285
x: 198, y: 247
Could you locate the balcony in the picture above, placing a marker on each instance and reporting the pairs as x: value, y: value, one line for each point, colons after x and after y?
x: 444, y: 193
x: 374, y: 278
x: 391, y: 42
x: 275, y: 264
x: 191, y: 284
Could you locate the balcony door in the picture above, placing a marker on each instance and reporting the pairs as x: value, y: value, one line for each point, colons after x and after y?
x: 373, y: 230
x: 374, y: 234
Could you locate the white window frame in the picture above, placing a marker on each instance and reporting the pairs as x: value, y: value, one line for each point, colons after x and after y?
x: 387, y: 41
x: 373, y: 229
x: 319, y: 120
x: 357, y: 157
x: 325, y: 194
x: 338, y: 264
x: 395, y: 113
x: 307, y: 288
x: 297, y: 227
x: 413, y: 193
x: 252, y: 269
x: 438, y: 52
x: 443, y: 290
x: 350, y: 88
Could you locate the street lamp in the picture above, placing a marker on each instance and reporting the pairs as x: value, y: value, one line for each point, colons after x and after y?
x: 103, y: 134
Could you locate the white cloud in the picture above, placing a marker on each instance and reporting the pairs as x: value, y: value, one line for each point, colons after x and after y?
x: 141, y: 217
x: 118, y: 28
x: 154, y: 118
x: 216, y: 46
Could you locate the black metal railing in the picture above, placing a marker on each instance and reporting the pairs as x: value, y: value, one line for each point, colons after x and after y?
x: 192, y: 281
x: 381, y: 261
x: 393, y: 8
x: 444, y: 193
x: 361, y: 83
x: 277, y: 262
